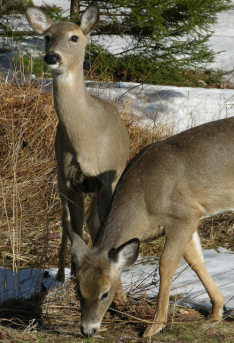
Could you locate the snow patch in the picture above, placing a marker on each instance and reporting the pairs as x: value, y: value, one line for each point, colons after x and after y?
x: 179, y: 108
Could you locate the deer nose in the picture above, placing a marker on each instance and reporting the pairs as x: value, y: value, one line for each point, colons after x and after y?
x: 52, y: 58
x: 87, y: 333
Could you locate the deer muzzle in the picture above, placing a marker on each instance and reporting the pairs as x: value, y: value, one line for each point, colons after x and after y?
x: 89, y: 330
x: 52, y: 58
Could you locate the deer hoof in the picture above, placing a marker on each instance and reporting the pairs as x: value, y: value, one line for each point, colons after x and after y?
x: 154, y: 329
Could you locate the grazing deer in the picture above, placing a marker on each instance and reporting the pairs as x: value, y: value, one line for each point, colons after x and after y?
x: 92, y: 144
x: 165, y: 190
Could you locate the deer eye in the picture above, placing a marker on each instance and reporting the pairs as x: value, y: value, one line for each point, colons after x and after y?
x: 74, y: 38
x: 104, y: 296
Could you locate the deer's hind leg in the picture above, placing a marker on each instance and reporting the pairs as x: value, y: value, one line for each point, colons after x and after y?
x: 193, y: 256
x: 177, y: 238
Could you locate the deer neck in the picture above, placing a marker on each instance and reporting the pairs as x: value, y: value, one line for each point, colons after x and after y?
x: 112, y: 232
x: 71, y: 101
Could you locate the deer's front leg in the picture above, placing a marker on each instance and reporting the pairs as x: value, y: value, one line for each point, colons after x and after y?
x: 166, y: 269
x: 63, y: 248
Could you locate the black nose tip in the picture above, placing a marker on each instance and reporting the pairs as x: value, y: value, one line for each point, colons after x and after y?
x: 52, y: 58
x: 86, y: 333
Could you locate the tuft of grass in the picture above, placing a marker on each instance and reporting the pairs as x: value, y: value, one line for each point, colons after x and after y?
x: 218, y: 231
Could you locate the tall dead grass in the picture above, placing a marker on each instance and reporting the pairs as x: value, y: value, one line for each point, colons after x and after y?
x: 29, y: 201
x: 28, y: 194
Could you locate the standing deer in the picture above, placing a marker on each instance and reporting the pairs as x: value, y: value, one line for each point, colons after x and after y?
x: 165, y: 190
x: 92, y: 144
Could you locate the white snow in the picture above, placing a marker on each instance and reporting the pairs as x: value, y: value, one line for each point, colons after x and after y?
x: 177, y: 107
x: 223, y: 40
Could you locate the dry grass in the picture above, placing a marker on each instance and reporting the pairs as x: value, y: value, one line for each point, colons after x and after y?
x: 28, y: 195
x: 218, y: 231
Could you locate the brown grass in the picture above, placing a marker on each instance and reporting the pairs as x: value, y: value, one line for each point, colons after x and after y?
x: 28, y: 195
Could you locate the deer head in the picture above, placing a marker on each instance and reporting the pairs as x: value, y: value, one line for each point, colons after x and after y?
x: 65, y: 41
x: 97, y: 274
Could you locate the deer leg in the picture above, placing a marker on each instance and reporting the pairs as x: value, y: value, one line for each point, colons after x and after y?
x: 76, y: 210
x: 73, y: 218
x: 63, y: 247
x: 193, y: 256
x: 65, y: 222
x: 177, y: 239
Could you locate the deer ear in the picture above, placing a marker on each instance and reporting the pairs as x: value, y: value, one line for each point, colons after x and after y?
x: 38, y: 19
x: 126, y: 254
x: 89, y: 18
x: 78, y: 247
